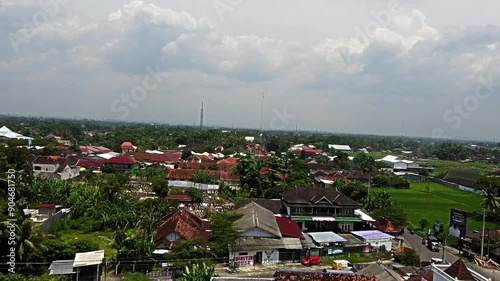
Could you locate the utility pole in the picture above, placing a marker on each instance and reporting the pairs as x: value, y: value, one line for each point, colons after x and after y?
x: 482, y: 236
x: 444, y: 250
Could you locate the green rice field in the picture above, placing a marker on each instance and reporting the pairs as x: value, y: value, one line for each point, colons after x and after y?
x: 419, y: 203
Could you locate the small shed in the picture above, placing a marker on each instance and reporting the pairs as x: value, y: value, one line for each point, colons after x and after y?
x: 375, y: 239
x: 332, y: 243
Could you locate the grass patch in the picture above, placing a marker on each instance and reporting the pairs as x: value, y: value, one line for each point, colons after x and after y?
x: 104, y: 239
x: 359, y: 258
x: 443, y: 166
x: 418, y: 203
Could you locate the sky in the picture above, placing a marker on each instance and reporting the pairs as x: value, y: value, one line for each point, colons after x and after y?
x: 418, y: 68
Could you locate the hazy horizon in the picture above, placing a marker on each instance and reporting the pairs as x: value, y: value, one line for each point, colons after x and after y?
x: 421, y: 69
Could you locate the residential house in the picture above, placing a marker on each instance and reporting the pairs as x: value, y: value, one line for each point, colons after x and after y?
x: 180, y: 198
x: 47, y: 210
x: 178, y: 226
x: 261, y: 240
x: 395, y: 164
x: 54, y: 167
x: 381, y: 272
x: 160, y: 158
x: 121, y: 163
x: 93, y: 150
x: 90, y: 164
x: 128, y: 147
x: 457, y: 271
x: 308, y: 151
x: 340, y: 147
x: 376, y: 240
x: 321, y: 209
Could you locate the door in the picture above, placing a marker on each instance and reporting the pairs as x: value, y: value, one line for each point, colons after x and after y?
x: 258, y: 258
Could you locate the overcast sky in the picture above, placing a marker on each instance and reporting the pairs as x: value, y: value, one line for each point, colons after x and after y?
x: 422, y: 68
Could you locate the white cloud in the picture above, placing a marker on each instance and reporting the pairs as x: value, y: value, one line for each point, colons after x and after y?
x: 404, y: 66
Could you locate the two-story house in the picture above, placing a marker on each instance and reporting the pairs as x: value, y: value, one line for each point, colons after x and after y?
x: 54, y: 167
x: 321, y: 209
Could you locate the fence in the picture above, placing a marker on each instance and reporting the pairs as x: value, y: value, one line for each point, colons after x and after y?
x: 50, y: 222
x: 456, y: 186
x: 200, y: 186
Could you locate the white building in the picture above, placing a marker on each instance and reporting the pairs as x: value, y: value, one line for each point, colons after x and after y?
x: 376, y: 239
x: 340, y: 147
x: 396, y: 164
x: 7, y: 133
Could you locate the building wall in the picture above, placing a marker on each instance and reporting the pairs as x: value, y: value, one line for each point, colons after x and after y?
x: 45, y: 168
x: 377, y: 243
x: 241, y: 259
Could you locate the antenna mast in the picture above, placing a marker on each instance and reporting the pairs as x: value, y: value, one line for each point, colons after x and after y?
x: 201, y: 117
x: 262, y: 111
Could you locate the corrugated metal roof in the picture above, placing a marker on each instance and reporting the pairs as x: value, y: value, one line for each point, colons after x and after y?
x: 61, y: 267
x: 256, y: 244
x: 371, y: 234
x: 88, y: 258
x: 256, y: 216
x: 326, y: 237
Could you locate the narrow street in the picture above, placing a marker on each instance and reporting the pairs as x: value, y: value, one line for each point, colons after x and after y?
x: 451, y: 255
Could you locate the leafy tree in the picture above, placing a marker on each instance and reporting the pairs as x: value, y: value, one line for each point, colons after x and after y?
x: 491, y: 193
x: 364, y: 163
x: 423, y: 223
x: 223, y: 232
x: 213, y: 167
x: 29, y: 239
x: 423, y: 172
x: 189, y: 252
x: 357, y: 191
x: 410, y: 258
x: 195, y: 194
x: 160, y: 186
x: 134, y: 276
x: 342, y: 160
x: 202, y: 177
x: 395, y: 214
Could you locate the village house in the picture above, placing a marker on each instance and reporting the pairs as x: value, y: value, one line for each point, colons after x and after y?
x: 121, y: 163
x: 93, y: 150
x: 127, y: 147
x: 178, y: 226
x: 263, y: 238
x: 376, y: 240
x: 457, y: 271
x: 321, y: 209
x: 340, y: 147
x: 157, y: 158
x: 54, y: 167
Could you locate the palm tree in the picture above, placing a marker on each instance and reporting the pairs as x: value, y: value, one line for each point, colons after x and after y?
x: 491, y: 201
x: 28, y: 239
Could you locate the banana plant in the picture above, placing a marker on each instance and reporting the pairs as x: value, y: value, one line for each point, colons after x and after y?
x: 198, y: 272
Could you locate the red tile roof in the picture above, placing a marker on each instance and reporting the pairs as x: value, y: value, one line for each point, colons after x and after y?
x: 230, y: 160
x: 180, y: 197
x: 121, y: 159
x: 155, y: 157
x: 48, y: 160
x: 94, y: 149
x: 187, y: 174
x: 46, y: 206
x: 460, y: 271
x: 289, y: 228
x: 185, y: 224
x: 385, y: 225
x: 127, y: 145
x: 90, y: 163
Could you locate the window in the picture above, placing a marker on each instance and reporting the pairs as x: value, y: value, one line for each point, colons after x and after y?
x: 172, y: 237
